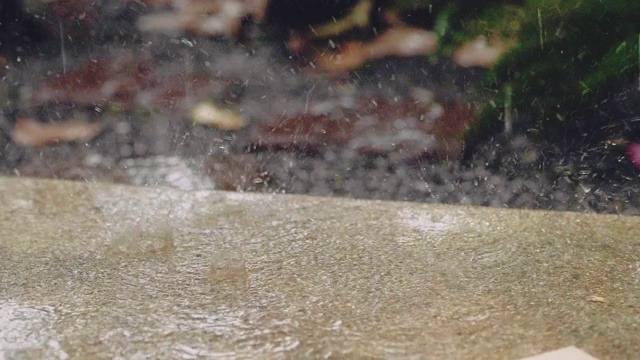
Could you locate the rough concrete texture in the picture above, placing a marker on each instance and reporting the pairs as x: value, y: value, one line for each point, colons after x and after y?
x: 103, y: 271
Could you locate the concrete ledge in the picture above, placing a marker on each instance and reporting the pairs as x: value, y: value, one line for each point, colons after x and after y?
x: 102, y: 271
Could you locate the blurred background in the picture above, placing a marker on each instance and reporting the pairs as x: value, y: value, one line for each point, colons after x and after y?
x: 521, y: 104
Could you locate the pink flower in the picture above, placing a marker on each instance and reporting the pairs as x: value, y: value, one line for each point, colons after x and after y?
x: 634, y: 154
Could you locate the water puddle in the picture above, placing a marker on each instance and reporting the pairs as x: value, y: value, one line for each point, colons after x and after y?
x: 432, y: 223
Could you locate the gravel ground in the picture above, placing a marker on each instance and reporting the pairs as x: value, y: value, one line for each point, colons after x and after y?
x: 497, y: 177
x: 164, y: 150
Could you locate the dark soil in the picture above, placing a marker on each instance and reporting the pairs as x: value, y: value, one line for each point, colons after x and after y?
x: 156, y: 144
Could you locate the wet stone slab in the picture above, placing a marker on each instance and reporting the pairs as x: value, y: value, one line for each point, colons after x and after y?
x: 104, y: 271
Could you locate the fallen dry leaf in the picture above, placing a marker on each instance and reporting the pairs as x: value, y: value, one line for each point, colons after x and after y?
x: 404, y: 41
x: 202, y: 17
x: 351, y: 56
x: 31, y: 133
x: 454, y: 120
x: 99, y: 82
x: 479, y: 53
x: 398, y: 41
x: 173, y: 91
x: 120, y: 82
x: 358, y: 17
x: 302, y: 132
x: 207, y: 113
x: 412, y: 129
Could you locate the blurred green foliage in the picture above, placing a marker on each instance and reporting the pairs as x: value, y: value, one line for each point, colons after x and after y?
x: 455, y: 20
x: 570, y: 58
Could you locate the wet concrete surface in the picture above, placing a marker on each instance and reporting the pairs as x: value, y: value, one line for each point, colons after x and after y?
x: 109, y: 271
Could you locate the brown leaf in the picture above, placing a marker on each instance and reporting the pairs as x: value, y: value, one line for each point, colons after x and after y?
x: 202, y: 17
x: 455, y: 120
x: 170, y: 92
x: 351, y: 56
x: 479, y: 53
x: 402, y: 127
x: 358, y: 17
x: 404, y: 41
x: 303, y: 132
x: 412, y: 129
x: 31, y: 133
x: 119, y: 82
x: 98, y: 83
x: 449, y: 130
x: 398, y: 41
x: 207, y: 113
x: 378, y: 117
